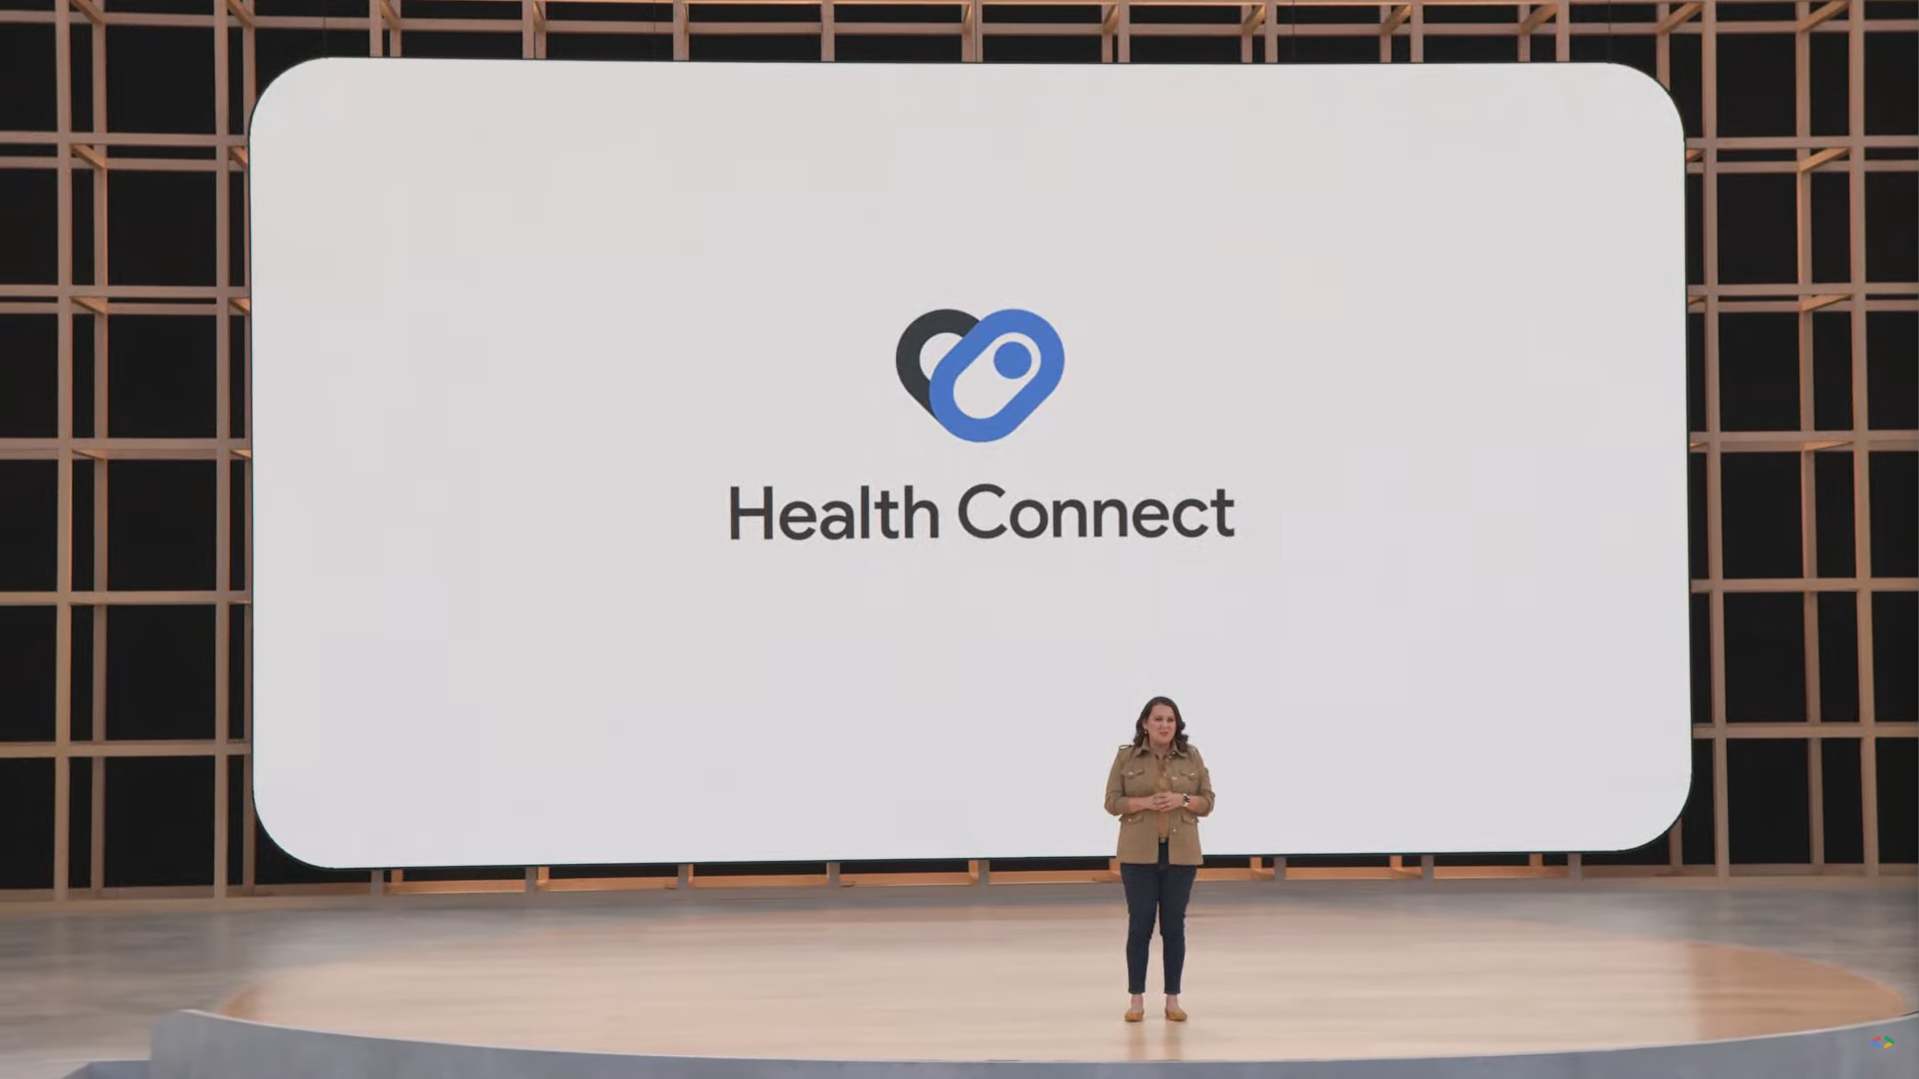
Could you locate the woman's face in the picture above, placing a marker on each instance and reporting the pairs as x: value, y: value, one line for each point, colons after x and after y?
x: 1160, y: 726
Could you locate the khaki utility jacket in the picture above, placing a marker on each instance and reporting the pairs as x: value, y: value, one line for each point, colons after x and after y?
x: 1139, y: 773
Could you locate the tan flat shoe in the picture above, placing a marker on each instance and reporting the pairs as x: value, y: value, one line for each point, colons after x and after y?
x: 1175, y: 1015
x: 1135, y: 1016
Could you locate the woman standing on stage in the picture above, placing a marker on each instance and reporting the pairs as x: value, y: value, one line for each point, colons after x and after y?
x: 1159, y: 788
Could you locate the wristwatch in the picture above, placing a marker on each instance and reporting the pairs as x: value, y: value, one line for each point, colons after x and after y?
x: 1185, y: 800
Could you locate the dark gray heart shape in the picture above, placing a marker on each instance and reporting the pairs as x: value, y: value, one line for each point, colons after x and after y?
x: 907, y: 358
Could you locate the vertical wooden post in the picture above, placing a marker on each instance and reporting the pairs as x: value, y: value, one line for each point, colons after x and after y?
x: 1715, y: 460
x: 1861, y: 457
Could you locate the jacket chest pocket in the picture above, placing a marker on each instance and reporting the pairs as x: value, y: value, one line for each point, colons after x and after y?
x: 1185, y: 781
x: 1135, y: 782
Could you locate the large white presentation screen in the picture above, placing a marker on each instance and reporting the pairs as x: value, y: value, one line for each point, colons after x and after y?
x: 707, y: 462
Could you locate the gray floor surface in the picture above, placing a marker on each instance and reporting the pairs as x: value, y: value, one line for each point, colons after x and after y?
x: 81, y: 987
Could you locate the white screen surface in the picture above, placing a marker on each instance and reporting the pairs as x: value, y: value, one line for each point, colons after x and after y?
x: 520, y: 329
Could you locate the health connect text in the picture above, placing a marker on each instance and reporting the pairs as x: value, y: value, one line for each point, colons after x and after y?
x: 982, y: 512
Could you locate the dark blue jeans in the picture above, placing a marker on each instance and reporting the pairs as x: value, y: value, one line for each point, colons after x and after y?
x: 1156, y: 892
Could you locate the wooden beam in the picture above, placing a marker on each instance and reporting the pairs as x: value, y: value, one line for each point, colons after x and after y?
x: 1695, y: 154
x: 539, y: 15
x: 1829, y: 154
x: 1395, y: 20
x: 1253, y: 19
x: 1538, y: 18
x: 1111, y: 22
x: 95, y: 304
x: 1671, y: 22
x: 608, y: 884
x: 241, y: 304
x: 696, y: 879
x: 90, y: 155
x: 92, y: 11
x: 1814, y: 303
x: 904, y: 880
x: 389, y: 16
x: 238, y: 154
x: 239, y: 11
x: 1824, y: 13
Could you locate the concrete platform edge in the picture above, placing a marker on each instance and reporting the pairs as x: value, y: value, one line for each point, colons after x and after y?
x: 114, y: 1069
x: 200, y: 1045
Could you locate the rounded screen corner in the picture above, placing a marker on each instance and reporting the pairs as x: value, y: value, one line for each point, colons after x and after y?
x: 297, y: 843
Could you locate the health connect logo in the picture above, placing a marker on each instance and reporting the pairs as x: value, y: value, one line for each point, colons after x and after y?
x: 1012, y: 359
x: 1882, y: 1042
x: 1023, y: 346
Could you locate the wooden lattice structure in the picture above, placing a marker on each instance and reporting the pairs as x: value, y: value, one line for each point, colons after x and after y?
x: 124, y: 459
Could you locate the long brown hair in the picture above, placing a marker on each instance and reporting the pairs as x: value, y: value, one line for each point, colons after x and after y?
x: 1179, y: 723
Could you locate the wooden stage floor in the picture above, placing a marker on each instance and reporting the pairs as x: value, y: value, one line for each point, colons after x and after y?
x: 1046, y: 982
